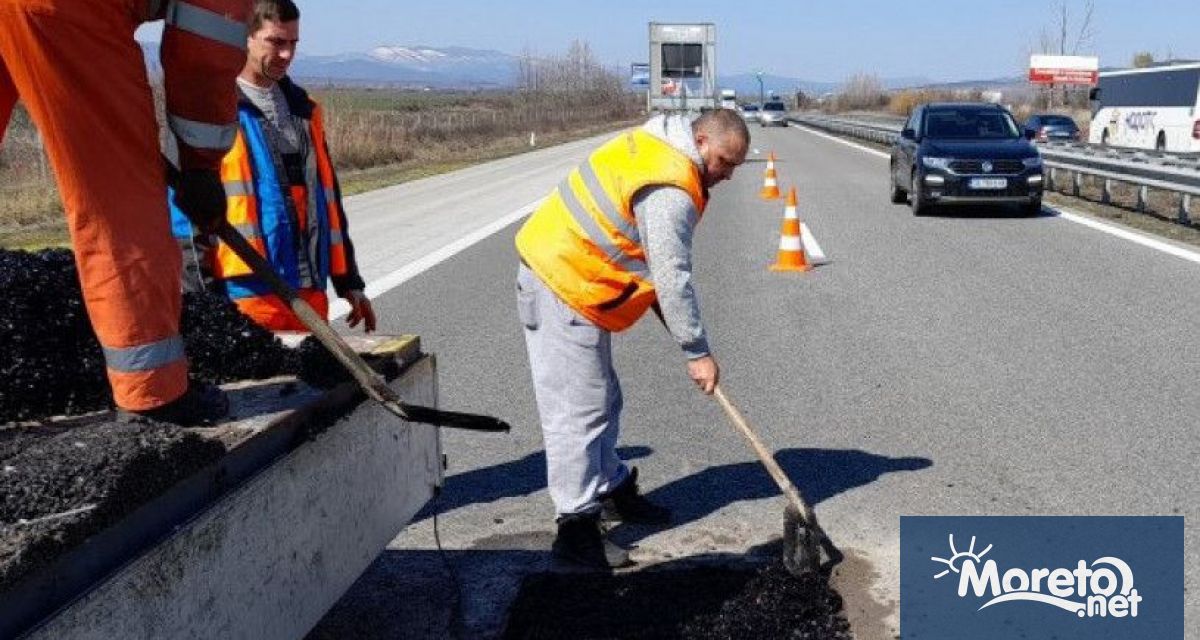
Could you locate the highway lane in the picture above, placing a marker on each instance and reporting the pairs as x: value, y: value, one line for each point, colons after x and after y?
x: 410, y: 220
x: 963, y: 364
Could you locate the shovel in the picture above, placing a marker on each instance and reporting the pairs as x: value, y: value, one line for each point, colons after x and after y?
x: 371, y: 382
x: 806, y: 548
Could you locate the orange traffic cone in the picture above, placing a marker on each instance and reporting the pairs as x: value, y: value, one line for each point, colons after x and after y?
x: 791, y: 249
x: 771, y: 160
x: 770, y: 190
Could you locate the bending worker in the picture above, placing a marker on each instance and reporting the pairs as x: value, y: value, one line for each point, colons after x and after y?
x: 82, y: 78
x: 282, y: 192
x: 610, y: 241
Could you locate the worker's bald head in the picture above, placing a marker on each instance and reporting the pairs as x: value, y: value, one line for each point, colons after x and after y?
x: 722, y: 138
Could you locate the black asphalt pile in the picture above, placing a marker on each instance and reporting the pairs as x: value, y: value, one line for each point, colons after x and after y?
x: 322, y: 370
x: 695, y: 604
x: 58, y: 489
x: 51, y: 363
x: 223, y: 345
x: 318, y: 367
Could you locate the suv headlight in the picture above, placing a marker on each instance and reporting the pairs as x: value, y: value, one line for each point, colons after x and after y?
x: 1032, y: 163
x: 936, y: 163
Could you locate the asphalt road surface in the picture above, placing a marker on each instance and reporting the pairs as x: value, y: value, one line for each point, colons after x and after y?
x: 973, y: 363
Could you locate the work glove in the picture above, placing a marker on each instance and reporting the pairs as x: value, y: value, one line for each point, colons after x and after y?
x: 201, y: 197
x: 361, y: 310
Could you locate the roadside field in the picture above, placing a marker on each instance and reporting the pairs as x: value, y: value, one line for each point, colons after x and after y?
x: 378, y: 137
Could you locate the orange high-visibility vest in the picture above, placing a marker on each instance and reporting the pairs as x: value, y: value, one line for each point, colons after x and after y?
x: 255, y: 206
x: 583, y: 240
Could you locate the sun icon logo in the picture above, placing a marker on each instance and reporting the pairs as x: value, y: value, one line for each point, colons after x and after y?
x: 957, y: 558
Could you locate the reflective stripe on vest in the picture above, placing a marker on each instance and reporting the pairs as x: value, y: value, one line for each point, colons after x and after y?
x: 583, y: 241
x: 144, y: 357
x: 206, y: 24
x: 595, y: 233
x: 235, y: 188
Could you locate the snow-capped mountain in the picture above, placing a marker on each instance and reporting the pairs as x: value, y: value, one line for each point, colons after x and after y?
x: 417, y: 65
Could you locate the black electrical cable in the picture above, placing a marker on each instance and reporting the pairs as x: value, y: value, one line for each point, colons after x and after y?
x: 456, y: 612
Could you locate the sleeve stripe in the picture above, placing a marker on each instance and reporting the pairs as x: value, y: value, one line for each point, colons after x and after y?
x: 201, y: 135
x: 206, y: 24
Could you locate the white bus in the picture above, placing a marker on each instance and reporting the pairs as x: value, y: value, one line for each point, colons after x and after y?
x: 1154, y: 108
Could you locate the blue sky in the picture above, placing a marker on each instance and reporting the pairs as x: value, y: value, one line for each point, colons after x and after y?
x: 937, y: 39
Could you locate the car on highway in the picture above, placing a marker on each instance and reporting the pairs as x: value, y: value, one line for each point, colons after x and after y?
x: 1045, y: 127
x: 964, y: 154
x: 773, y: 114
x: 749, y: 112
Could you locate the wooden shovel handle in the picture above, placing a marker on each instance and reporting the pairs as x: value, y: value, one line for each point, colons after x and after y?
x: 766, y: 457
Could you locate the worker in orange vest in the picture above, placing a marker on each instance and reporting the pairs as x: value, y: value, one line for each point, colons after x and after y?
x: 81, y: 76
x: 281, y: 191
x: 613, y: 240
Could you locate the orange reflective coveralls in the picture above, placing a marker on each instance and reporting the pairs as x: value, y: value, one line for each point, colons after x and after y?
x: 80, y: 74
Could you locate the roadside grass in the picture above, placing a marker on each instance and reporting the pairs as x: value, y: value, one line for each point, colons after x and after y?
x: 377, y: 138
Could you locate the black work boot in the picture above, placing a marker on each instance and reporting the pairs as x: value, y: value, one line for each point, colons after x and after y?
x: 581, y: 541
x: 626, y: 504
x: 201, y: 405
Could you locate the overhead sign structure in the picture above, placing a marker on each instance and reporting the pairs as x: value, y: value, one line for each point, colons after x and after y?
x: 1083, y: 70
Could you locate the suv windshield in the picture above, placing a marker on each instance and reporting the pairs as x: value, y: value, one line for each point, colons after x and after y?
x: 969, y: 124
x: 774, y: 106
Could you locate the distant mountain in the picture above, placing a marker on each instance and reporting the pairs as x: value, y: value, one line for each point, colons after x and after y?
x: 416, y: 66
x: 464, y: 68
x: 746, y: 84
x: 438, y: 67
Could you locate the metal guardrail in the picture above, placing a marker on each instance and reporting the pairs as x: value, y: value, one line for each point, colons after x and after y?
x: 1176, y: 174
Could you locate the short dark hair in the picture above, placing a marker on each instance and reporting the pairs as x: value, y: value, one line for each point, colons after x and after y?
x: 722, y: 122
x: 273, y: 10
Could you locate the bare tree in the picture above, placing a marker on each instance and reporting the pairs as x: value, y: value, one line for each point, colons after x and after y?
x: 1143, y: 59
x: 1067, y: 37
x: 861, y: 91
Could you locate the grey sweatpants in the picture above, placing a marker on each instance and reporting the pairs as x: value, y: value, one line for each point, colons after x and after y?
x: 578, y: 397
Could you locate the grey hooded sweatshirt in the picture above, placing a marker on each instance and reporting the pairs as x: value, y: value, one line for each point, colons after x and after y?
x: 666, y: 219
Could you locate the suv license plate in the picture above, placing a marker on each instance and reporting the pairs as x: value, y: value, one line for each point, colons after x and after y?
x: 989, y: 183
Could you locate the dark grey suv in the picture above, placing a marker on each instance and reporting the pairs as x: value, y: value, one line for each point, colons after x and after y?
x: 964, y: 154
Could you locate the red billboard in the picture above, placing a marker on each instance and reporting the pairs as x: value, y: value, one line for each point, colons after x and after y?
x: 1064, y: 70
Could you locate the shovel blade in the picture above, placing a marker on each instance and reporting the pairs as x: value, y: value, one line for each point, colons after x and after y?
x: 806, y: 548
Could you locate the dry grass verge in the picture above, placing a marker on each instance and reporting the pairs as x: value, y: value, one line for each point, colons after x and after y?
x: 377, y: 138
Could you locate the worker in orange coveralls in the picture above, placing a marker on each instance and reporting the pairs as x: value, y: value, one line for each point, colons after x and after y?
x: 81, y: 76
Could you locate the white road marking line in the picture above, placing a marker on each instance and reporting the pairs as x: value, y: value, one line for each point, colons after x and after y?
x: 380, y: 286
x: 1066, y: 214
x: 821, y: 134
x: 1126, y: 234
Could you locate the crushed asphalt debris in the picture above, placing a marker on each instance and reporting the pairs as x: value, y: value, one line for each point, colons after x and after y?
x: 223, y: 345
x: 318, y: 367
x: 57, y: 489
x: 51, y: 363
x: 696, y: 604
